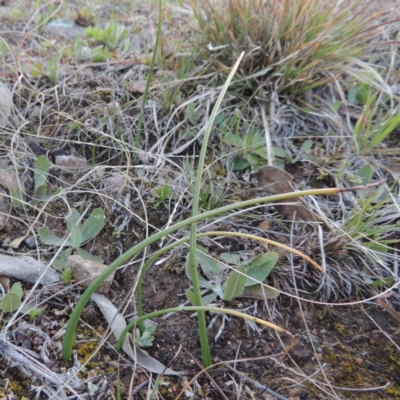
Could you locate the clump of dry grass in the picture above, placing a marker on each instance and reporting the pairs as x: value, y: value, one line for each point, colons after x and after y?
x: 291, y: 46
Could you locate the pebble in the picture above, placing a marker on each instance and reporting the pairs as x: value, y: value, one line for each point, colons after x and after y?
x: 30, y: 242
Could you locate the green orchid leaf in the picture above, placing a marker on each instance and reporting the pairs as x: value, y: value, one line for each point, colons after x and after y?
x: 260, y: 267
x: 73, y: 219
x: 41, y: 172
x: 76, y: 237
x: 93, y: 225
x: 49, y: 238
x: 85, y: 254
x: 11, y: 302
x: 17, y: 289
x: 60, y: 262
x: 235, y: 284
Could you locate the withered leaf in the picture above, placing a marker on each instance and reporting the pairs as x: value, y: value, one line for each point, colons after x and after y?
x: 277, y: 181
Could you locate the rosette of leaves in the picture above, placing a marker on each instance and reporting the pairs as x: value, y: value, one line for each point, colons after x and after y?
x: 78, y: 235
x: 243, y: 279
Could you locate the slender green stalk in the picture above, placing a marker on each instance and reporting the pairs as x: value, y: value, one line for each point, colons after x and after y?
x: 73, y: 321
x: 201, y: 316
x: 146, y: 91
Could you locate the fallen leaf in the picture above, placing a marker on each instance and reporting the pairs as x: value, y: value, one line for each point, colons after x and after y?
x: 277, y: 181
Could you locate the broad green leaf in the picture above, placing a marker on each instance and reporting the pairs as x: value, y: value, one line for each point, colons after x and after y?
x: 49, y: 238
x: 209, y: 298
x: 41, y: 172
x: 192, y: 114
x: 93, y: 225
x: 17, y: 289
x: 85, y: 254
x: 73, y: 219
x: 76, y: 237
x: 235, y: 284
x: 260, y: 267
x: 230, y: 258
x: 11, y: 302
x: 210, y: 267
x: 239, y: 163
x: 60, y: 263
x: 262, y: 152
x: 234, y: 140
x: 279, y: 152
x: 252, y: 159
x: 258, y: 141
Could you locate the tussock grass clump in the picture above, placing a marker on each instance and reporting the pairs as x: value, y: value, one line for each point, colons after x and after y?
x: 290, y: 46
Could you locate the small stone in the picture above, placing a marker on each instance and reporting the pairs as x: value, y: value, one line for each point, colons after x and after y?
x: 319, y: 349
x: 30, y: 242
x: 323, y: 331
x: 86, y: 271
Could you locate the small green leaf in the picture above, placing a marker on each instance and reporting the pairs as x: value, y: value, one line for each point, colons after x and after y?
x: 190, y: 296
x: 229, y: 258
x: 17, y: 196
x: 252, y: 159
x: 41, y: 172
x: 192, y: 114
x: 49, y: 238
x: 234, y: 140
x: 88, y: 256
x: 383, y: 282
x: 239, y: 163
x: 73, y: 219
x: 67, y: 275
x: 279, y: 152
x: 219, y: 118
x: 307, y: 145
x: 60, y: 262
x: 209, y: 266
x: 365, y: 173
x: 76, y: 237
x: 235, y: 284
x: 93, y: 225
x: 40, y: 192
x: 11, y: 302
x: 17, y: 289
x: 260, y: 267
